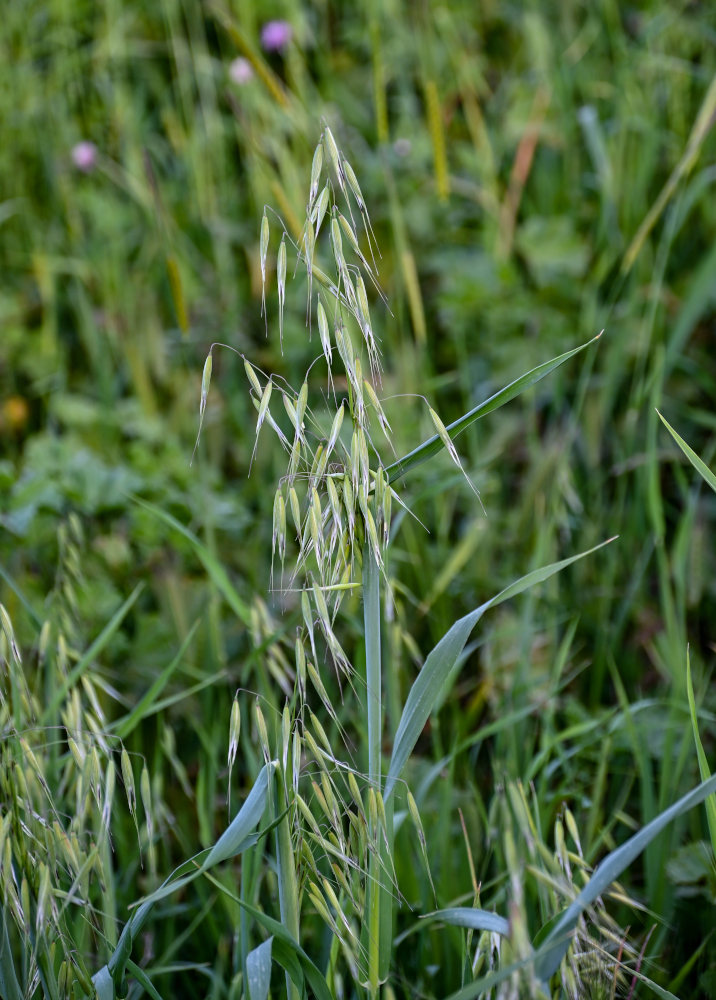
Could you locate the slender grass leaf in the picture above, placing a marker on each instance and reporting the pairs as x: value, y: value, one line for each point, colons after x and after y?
x: 286, y: 957
x: 654, y: 987
x: 481, y: 987
x: 258, y: 971
x: 471, y: 918
x: 704, y: 769
x: 697, y: 463
x: 9, y: 984
x: 557, y: 941
x: 144, y: 980
x: 36, y: 618
x: 433, y: 445
x: 91, y: 654
x: 213, y: 567
x: 427, y: 687
x: 185, y: 693
x: 701, y: 127
x: 147, y: 703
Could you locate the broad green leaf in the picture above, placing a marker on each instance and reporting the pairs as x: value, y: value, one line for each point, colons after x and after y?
x: 237, y: 838
x: 213, y: 567
x: 104, y: 984
x: 700, y: 466
x: 258, y: 971
x: 556, y: 943
x: 426, y: 689
x: 286, y: 950
x: 433, y: 445
x: 471, y: 918
x: 244, y: 822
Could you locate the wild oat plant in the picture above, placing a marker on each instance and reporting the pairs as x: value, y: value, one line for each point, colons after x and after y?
x: 331, y: 535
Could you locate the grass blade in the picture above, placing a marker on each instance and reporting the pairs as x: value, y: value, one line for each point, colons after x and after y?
x: 94, y: 650
x: 244, y: 822
x: 9, y: 984
x: 212, y: 566
x: 471, y: 918
x: 144, y: 980
x: 146, y: 704
x: 433, y: 445
x: 258, y: 971
x: 427, y: 687
x: 697, y: 463
x: 704, y: 769
x: 699, y: 131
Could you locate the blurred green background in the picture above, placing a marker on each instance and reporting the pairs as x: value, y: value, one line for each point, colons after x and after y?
x: 509, y: 154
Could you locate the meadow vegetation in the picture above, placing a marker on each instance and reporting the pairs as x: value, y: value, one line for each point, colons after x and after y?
x: 317, y: 675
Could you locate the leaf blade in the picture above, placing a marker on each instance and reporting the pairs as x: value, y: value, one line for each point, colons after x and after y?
x: 698, y: 463
x: 428, y: 684
x: 432, y: 445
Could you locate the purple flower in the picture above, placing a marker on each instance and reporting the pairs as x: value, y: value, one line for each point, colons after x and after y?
x: 241, y: 71
x: 84, y: 156
x: 275, y: 35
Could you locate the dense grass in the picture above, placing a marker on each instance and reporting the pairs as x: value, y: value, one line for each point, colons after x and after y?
x: 508, y: 157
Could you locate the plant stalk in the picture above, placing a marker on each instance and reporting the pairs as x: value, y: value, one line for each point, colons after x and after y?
x: 287, y: 884
x: 371, y: 620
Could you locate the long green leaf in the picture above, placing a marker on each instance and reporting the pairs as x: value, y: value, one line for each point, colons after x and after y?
x: 704, y: 769
x: 471, y: 918
x: 289, y: 906
x: 235, y: 839
x: 146, y: 704
x: 144, y: 980
x: 258, y: 971
x: 440, y: 661
x: 700, y: 466
x: 213, y: 567
x: 244, y: 822
x: 94, y: 650
x: 699, y: 131
x: 9, y: 984
x: 481, y: 987
x: 433, y: 445
x: 556, y: 943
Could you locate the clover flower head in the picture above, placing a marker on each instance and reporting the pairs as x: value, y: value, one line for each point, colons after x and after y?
x: 275, y: 35
x: 241, y: 71
x: 84, y: 156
